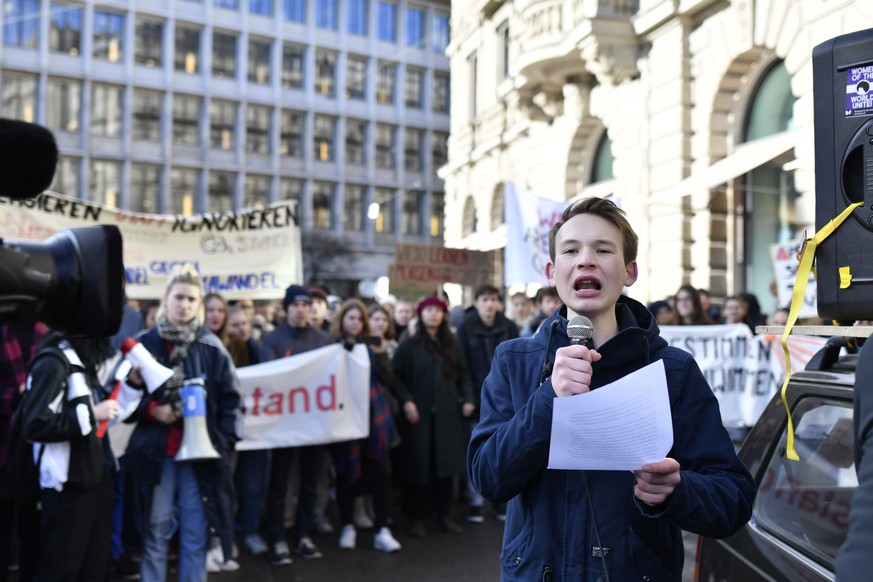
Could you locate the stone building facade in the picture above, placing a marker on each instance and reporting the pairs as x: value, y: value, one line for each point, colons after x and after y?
x: 695, y: 115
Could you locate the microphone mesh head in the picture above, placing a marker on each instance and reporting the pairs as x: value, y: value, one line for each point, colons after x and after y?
x: 580, y: 328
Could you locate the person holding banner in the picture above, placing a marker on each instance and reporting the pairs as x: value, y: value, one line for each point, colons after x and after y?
x: 435, y: 392
x: 365, y: 461
x: 295, y: 337
x: 161, y: 494
x: 600, y: 524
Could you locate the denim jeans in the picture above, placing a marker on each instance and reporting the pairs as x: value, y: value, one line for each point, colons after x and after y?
x: 252, y: 468
x: 176, y: 495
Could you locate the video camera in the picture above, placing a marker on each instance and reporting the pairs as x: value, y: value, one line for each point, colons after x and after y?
x: 73, y: 281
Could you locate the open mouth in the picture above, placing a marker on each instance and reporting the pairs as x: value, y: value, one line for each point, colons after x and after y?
x: 586, y: 284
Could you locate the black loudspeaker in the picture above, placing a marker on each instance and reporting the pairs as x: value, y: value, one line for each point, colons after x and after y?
x: 842, y: 70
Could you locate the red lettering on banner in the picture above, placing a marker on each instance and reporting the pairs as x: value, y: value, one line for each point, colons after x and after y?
x: 299, y: 397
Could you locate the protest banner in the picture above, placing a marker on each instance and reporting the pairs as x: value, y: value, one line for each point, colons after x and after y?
x: 743, y: 370
x: 785, y: 265
x: 317, y: 397
x: 251, y: 254
x: 420, y: 269
x: 528, y: 220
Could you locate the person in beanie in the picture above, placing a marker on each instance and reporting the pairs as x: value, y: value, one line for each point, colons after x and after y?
x: 432, y: 384
x: 294, y: 337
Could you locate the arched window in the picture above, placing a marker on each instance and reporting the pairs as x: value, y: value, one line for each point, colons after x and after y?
x: 769, y: 196
x: 468, y: 227
x: 601, y: 170
x: 497, y: 207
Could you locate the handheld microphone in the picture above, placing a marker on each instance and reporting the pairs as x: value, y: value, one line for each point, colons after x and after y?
x: 579, y: 330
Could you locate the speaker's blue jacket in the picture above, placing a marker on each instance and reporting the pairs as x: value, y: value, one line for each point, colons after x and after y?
x: 550, y: 531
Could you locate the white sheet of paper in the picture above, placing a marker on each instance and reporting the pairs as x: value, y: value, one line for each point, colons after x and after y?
x: 620, y: 426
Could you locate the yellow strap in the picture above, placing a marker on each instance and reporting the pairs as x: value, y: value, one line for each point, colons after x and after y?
x: 845, y: 277
x: 796, y: 302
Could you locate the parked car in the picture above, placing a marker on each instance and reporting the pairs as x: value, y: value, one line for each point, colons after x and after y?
x: 801, y: 513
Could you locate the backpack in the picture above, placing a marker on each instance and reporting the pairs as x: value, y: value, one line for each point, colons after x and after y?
x: 20, y: 472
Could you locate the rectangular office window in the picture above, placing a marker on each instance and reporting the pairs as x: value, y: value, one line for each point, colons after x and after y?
x: 187, y: 55
x: 441, y: 92
x: 145, y: 181
x: 228, y: 4
x: 415, y: 27
x: 322, y: 204
x: 325, y: 14
x: 291, y: 136
x: 220, y: 193
x: 503, y: 51
x: 295, y: 10
x: 385, y: 219
x: 107, y: 107
x: 257, y: 191
x: 108, y: 31
x: 292, y: 66
x: 147, y: 107
x: 440, y: 33
x: 261, y: 7
x: 357, y: 15
x: 413, y: 140
x: 385, y: 146
x: 386, y: 79
x: 413, y: 209
x: 353, y: 207
x: 19, y: 97
x: 186, y: 119
x: 222, y: 119
x: 223, y: 55
x: 290, y: 189
x: 105, y: 183
x: 63, y: 105
x: 65, y: 29
x: 21, y: 23
x: 259, y: 61
x: 325, y: 73
x: 356, y: 77
x: 439, y: 147
x: 183, y: 185
x: 386, y: 21
x: 437, y: 207
x: 148, y: 43
x: 413, y: 88
x: 324, y: 135
x: 356, y: 141
x: 66, y: 180
x: 258, y: 129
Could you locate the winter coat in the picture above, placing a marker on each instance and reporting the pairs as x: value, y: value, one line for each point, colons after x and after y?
x: 478, y: 342
x: 419, y: 377
x: 146, y: 451
x: 550, y: 530
x: 287, y: 341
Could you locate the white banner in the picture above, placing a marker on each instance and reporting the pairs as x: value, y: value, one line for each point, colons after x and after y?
x: 785, y: 265
x: 250, y: 254
x: 317, y: 397
x: 528, y: 220
x: 743, y: 370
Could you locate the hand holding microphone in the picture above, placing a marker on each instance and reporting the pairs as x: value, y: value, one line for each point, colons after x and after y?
x: 573, y: 369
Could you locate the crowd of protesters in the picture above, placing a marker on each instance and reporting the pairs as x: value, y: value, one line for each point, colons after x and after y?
x: 428, y: 364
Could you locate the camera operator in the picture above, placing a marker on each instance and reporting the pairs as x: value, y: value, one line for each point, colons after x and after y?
x: 162, y: 495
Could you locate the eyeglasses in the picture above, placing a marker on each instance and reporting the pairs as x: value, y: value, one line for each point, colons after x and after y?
x: 684, y: 299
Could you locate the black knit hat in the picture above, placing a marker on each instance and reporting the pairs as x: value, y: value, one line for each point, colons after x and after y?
x: 296, y: 293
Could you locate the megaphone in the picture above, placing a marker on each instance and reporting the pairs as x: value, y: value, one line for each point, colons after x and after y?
x: 196, y: 444
x: 153, y: 373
